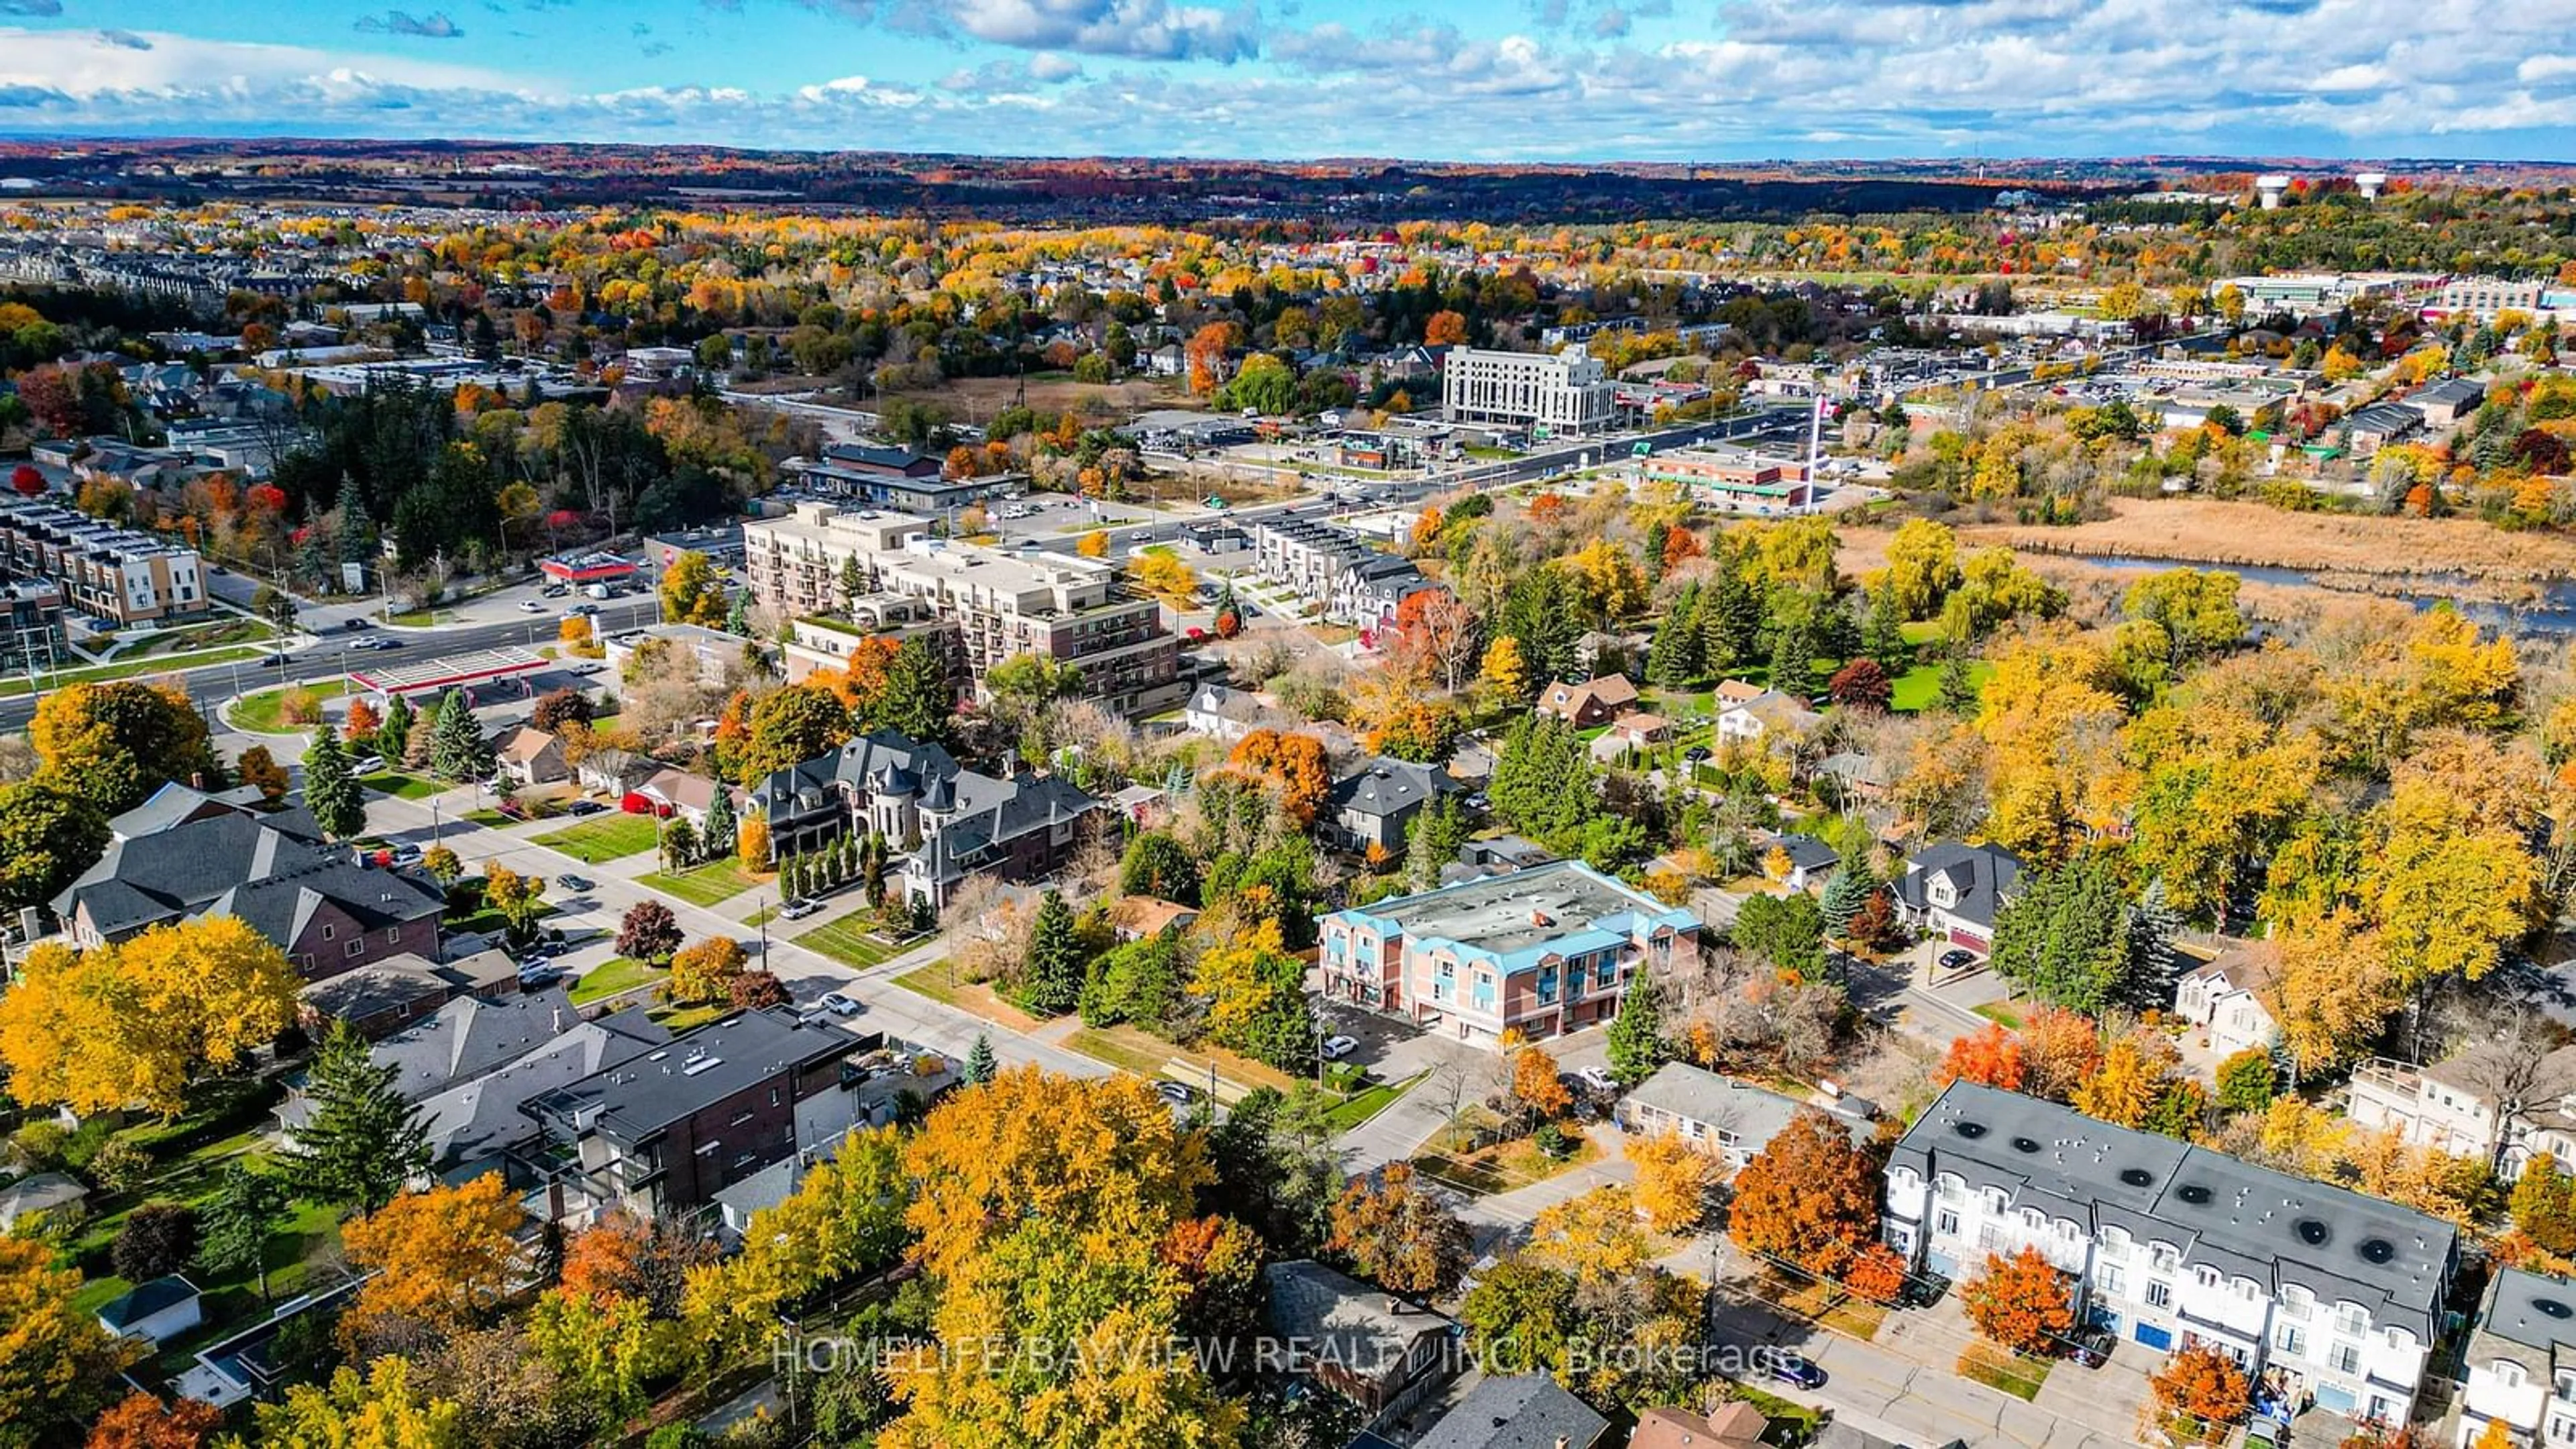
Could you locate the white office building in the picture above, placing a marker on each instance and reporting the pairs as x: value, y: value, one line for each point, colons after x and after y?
x: 1561, y: 392
x: 2326, y: 1297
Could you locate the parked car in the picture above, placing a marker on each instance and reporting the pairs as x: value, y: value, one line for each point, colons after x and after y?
x: 554, y: 591
x: 1597, y: 1079
x: 1695, y: 754
x: 799, y: 908
x: 531, y: 606
x: 539, y: 976
x: 366, y: 764
x: 2091, y: 1347
x: 1179, y: 1094
x: 584, y: 807
x: 841, y: 1004
x: 1338, y: 1047
x: 573, y: 882
x: 355, y: 621
x: 403, y: 855
x: 272, y: 661
x: 812, y: 1015
x: 1789, y: 1368
x: 1958, y: 960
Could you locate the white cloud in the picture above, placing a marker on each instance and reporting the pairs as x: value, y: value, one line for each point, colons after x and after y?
x: 1137, y: 29
x: 433, y: 26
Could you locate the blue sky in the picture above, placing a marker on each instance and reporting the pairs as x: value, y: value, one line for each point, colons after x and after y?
x: 1433, y: 79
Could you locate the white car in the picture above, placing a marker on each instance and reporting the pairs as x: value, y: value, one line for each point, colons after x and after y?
x: 840, y: 1004
x: 1338, y: 1047
x: 366, y: 764
x: 1597, y: 1079
x: 799, y: 908
x: 531, y: 606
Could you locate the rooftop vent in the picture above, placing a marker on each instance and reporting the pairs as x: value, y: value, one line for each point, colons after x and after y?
x: 2193, y: 1193
x: 2025, y: 1144
x: 2550, y: 1306
x: 1970, y: 1130
x: 2377, y: 1250
x: 2313, y: 1233
x: 2137, y: 1177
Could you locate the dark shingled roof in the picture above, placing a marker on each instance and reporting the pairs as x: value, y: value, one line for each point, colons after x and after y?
x: 144, y: 1300
x: 271, y: 870
x: 1980, y: 873
x: 1383, y: 788
x: 1525, y: 1412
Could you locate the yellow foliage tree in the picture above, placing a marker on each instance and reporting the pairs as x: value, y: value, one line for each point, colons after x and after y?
x: 1673, y: 1181
x: 2132, y: 1076
x: 2051, y: 727
x: 1596, y: 1237
x: 127, y: 1025
x: 2328, y: 982
x: 441, y: 1258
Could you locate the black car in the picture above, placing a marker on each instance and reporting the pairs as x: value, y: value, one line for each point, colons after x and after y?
x: 2091, y: 1347
x: 355, y: 621
x: 1789, y: 1368
x: 1957, y: 960
x: 272, y: 661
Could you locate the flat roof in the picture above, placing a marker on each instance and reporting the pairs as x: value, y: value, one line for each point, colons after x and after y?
x: 1507, y: 914
x: 2537, y: 1312
x: 449, y: 670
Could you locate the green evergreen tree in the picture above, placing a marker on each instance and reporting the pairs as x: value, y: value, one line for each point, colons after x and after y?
x: 2065, y: 939
x: 1731, y: 612
x: 2152, y: 925
x: 916, y: 701
x: 1844, y: 896
x: 331, y: 793
x: 361, y: 1141
x: 1955, y: 689
x: 1051, y: 976
x: 1675, y: 657
x: 738, y: 615
x: 1787, y: 931
x: 1793, y: 660
x: 1437, y: 832
x: 394, y: 735
x: 980, y: 1065
x: 1157, y: 864
x: 458, y: 751
x: 1636, y: 1034
x: 1883, y: 638
x: 715, y: 838
x: 356, y: 533
x: 872, y: 867
x: 237, y: 1222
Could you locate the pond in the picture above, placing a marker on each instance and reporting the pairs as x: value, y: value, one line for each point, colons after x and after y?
x: 2551, y: 614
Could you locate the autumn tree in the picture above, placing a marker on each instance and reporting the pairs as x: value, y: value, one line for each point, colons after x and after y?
x: 1922, y: 567
x: 2021, y: 1301
x: 519, y: 898
x: 845, y: 1220
x: 1395, y: 1232
x: 361, y: 725
x: 1293, y: 764
x: 441, y: 1259
x: 1444, y: 328
x: 1674, y: 1179
x: 360, y: 1141
x: 1809, y: 1196
x: 1256, y: 995
x: 2544, y: 1205
x: 377, y: 1409
x: 58, y: 1368
x: 48, y: 838
x: 790, y: 726
x: 2135, y: 1073
x: 128, y: 1025
x: 648, y: 932
x: 114, y: 744
x: 141, y: 1421
x: 1537, y: 1085
x: 260, y: 770
x: 706, y: 971
x: 2203, y: 1382
x: 1989, y: 1056
x: 691, y: 593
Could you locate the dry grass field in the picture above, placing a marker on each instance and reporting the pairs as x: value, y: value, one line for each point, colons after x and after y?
x: 2211, y: 531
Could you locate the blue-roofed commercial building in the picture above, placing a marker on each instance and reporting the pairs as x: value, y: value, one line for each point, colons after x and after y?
x: 2325, y: 1296
x: 1543, y: 951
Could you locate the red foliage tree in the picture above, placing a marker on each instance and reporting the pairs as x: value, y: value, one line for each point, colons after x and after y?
x: 26, y: 480
x: 2204, y: 1383
x: 144, y: 1422
x: 1861, y: 684
x: 1809, y: 1196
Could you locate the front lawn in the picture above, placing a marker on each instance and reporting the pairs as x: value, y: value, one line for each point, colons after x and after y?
x: 939, y: 981
x: 605, y: 838
x: 1363, y: 1105
x: 1132, y: 1048
x: 852, y: 944
x: 400, y: 785
x: 1830, y: 1304
x: 702, y: 885
x: 262, y: 711
x: 2002, y: 1015
x: 612, y: 977
x: 1503, y: 1166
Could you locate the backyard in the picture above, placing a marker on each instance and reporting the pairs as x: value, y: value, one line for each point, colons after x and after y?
x: 614, y: 977
x: 605, y: 838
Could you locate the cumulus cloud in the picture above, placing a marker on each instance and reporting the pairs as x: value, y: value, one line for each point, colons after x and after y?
x: 433, y: 26
x: 1770, y: 77
x: 1137, y: 29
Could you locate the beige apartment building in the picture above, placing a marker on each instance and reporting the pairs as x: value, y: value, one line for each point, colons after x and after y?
x: 1561, y: 392
x: 992, y: 604
x: 116, y: 574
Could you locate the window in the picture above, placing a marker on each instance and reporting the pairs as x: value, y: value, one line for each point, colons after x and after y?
x: 739, y: 1118
x: 326, y: 930
x: 2351, y: 1321
x: 2508, y: 1373
x: 2345, y: 1359
x: 393, y: 935
x: 2159, y: 1293
x: 1987, y: 1238
x: 2205, y: 1276
x: 2296, y: 1303
x: 2292, y: 1339
x: 2113, y: 1282
x: 356, y: 948
x: 1946, y: 1223
x: 2163, y: 1259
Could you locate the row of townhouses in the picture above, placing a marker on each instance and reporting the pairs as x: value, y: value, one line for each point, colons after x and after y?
x: 117, y: 575
x: 1350, y: 579
x: 988, y: 604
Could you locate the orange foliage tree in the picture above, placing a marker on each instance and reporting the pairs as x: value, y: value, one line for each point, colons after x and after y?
x: 1292, y: 764
x: 363, y: 723
x: 1444, y: 329
x: 2060, y: 1050
x: 1396, y: 1234
x: 1809, y: 1196
x: 2204, y: 1383
x: 1536, y: 1083
x: 1989, y: 1056
x: 1878, y: 1274
x: 2021, y: 1302
x: 144, y: 1422
x: 443, y: 1257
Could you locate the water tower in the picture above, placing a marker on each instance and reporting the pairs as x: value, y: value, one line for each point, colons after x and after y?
x: 2368, y: 183
x: 2271, y: 189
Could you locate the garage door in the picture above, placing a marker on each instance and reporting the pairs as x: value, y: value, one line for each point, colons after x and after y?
x: 1962, y: 936
x: 2154, y: 1337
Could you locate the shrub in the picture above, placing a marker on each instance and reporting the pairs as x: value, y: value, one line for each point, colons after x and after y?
x: 120, y: 1166
x: 299, y: 706
x: 158, y: 1239
x: 1551, y: 1139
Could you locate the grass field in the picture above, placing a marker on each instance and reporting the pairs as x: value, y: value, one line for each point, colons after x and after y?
x: 703, y: 885
x: 219, y: 634
x: 1134, y: 1049
x: 399, y: 785
x: 605, y: 837
x: 262, y: 711
x: 1919, y: 687
x: 1503, y: 1166
x: 612, y: 976
x: 849, y: 943
x: 2002, y: 1015
x: 936, y: 981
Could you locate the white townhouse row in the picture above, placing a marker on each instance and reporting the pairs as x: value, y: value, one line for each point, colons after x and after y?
x: 2326, y: 1297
